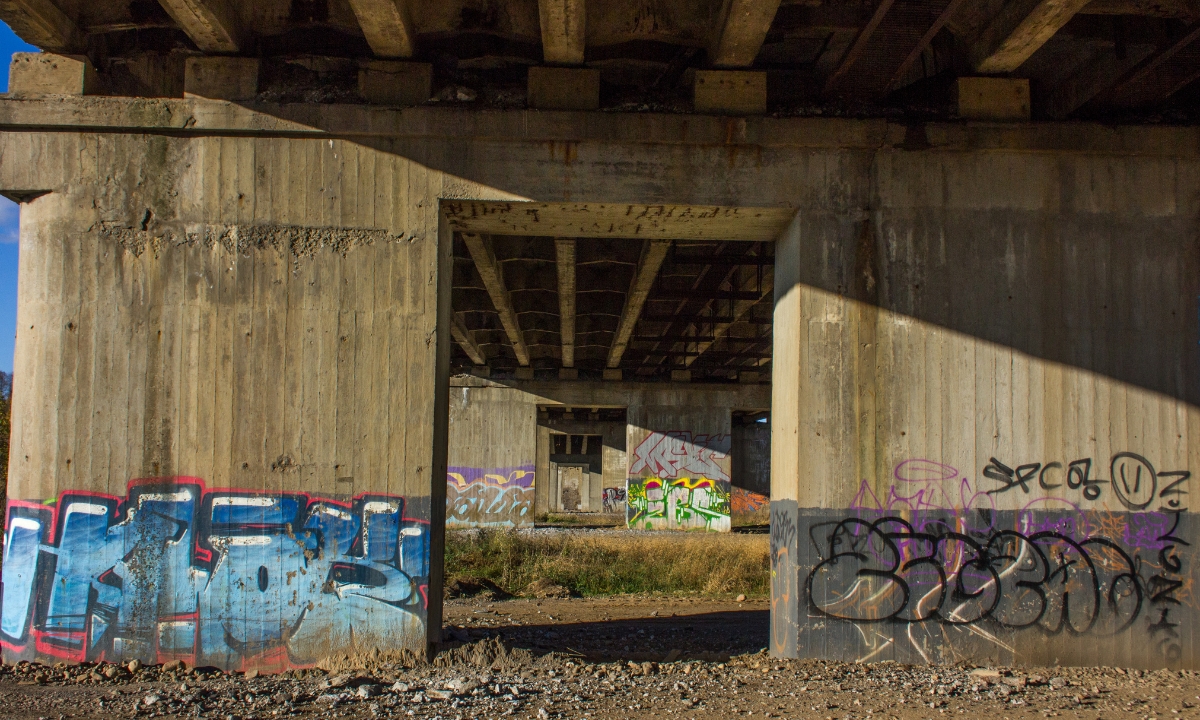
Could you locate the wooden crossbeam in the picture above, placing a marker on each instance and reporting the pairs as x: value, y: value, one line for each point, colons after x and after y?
x: 1159, y: 76
x: 41, y: 23
x: 387, y: 25
x: 888, y: 46
x: 480, y: 248
x: 643, y: 279
x: 1018, y: 30
x: 465, y: 340
x: 565, y: 250
x: 740, y: 308
x: 213, y: 25
x: 740, y: 32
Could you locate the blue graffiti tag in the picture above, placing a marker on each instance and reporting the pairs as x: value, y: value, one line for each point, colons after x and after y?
x: 218, y: 577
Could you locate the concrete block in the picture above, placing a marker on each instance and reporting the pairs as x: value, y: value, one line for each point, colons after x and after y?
x: 613, y: 374
x: 568, y: 373
x: 220, y: 78
x: 552, y: 88
x: 730, y: 92
x: 481, y: 371
x: 989, y: 98
x: 392, y: 82
x: 681, y: 376
x: 524, y: 373
x: 50, y: 74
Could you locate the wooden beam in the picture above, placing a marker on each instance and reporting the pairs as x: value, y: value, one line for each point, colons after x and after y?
x: 741, y: 30
x: 643, y: 279
x: 565, y: 250
x: 480, y: 248
x: 1018, y: 30
x: 564, y: 30
x: 1159, y: 76
x: 1059, y: 101
x: 740, y: 308
x: 387, y: 25
x: 213, y: 25
x: 464, y: 339
x: 41, y: 23
x: 888, y: 46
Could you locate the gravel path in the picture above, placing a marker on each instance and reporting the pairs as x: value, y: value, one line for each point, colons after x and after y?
x: 501, y: 671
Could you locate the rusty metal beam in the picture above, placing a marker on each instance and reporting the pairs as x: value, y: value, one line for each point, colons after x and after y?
x: 387, y: 25
x: 652, y: 258
x: 41, y: 23
x: 465, y: 340
x: 213, y: 25
x: 564, y: 249
x: 480, y: 248
x: 740, y: 32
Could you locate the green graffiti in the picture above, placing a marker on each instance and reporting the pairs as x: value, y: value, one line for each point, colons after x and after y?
x: 678, y: 503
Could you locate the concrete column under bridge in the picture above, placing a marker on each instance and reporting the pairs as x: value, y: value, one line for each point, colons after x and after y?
x: 231, y: 371
x: 984, y: 415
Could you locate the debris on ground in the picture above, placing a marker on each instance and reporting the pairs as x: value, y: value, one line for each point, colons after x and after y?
x: 499, y: 676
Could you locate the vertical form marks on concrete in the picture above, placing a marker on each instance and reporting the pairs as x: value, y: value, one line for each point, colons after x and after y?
x: 248, y: 366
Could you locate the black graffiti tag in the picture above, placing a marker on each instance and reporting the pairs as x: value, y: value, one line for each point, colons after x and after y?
x: 885, y: 571
x: 1134, y: 481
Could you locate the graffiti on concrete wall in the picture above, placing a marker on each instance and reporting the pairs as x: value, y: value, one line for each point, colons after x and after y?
x: 678, y: 504
x: 679, y: 453
x: 614, y: 499
x: 749, y: 507
x: 489, y: 497
x: 225, y: 578
x: 679, y: 480
x: 936, y: 572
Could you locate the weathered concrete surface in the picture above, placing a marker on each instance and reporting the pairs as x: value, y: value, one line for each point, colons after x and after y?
x: 985, y: 414
x: 968, y: 297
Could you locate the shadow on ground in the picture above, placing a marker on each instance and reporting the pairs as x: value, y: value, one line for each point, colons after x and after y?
x: 713, y: 636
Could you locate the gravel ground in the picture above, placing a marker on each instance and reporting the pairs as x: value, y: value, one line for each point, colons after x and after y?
x: 499, y: 671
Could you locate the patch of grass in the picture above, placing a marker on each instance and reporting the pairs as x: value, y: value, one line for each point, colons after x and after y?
x: 711, y: 564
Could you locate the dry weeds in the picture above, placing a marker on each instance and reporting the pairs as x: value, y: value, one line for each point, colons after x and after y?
x: 591, y: 563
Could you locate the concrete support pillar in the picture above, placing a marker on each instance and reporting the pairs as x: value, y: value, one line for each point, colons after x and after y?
x: 730, y: 92
x: 947, y: 462
x: 227, y: 391
x: 50, y: 74
x: 992, y: 98
x: 221, y: 78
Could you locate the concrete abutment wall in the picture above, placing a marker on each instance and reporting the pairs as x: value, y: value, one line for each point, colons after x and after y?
x: 231, y: 376
x: 985, y: 418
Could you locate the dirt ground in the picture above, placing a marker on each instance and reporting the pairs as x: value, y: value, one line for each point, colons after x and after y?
x: 601, y: 659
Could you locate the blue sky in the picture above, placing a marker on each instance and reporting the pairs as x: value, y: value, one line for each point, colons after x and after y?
x: 9, y: 44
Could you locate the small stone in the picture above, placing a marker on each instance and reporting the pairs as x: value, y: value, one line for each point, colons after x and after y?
x: 368, y: 690
x: 134, y: 665
x: 336, y: 681
x: 172, y: 666
x: 150, y: 699
x: 399, y: 687
x: 741, y: 598
x: 543, y: 713
x: 1058, y: 682
x: 251, y: 674
x: 439, y: 694
x: 987, y: 673
x: 111, y: 672
x: 327, y: 697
